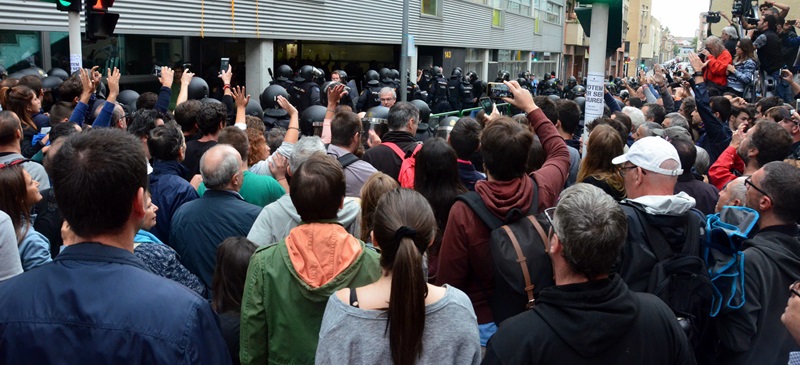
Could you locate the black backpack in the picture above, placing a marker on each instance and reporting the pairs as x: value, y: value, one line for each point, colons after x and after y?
x: 681, y: 280
x: 521, y: 265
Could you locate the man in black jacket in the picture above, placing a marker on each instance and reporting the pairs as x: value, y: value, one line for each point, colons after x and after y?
x: 403, y: 121
x: 754, y: 333
x: 590, y: 316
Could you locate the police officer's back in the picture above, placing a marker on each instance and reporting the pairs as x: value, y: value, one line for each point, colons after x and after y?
x: 370, y: 97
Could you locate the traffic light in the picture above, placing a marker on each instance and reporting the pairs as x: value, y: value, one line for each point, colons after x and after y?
x: 100, y: 23
x: 643, y: 65
x: 68, y: 5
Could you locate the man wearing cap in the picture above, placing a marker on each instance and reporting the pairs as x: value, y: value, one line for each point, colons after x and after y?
x: 650, y: 171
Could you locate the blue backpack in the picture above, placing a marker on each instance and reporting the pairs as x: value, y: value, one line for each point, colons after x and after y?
x: 725, y: 233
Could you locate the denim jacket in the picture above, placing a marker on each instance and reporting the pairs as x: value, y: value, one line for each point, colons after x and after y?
x: 743, y: 75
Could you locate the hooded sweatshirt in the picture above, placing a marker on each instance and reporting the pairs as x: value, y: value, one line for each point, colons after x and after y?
x: 754, y: 334
x: 288, y: 286
x: 278, y: 218
x: 598, y: 322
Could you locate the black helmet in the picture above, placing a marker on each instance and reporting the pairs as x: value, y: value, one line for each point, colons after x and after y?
x: 372, y: 77
x: 578, y: 90
x: 524, y: 74
x: 395, y: 74
x: 553, y: 97
x: 342, y: 75
x: 33, y: 70
x: 504, y: 75
x: 436, y: 71
x: 128, y: 98
x: 446, y: 126
x: 254, y: 108
x: 376, y: 119
x: 51, y: 82
x: 385, y: 75
x: 198, y: 88
x: 283, y: 73
x: 58, y: 72
x: 210, y: 101
x: 306, y: 73
x: 572, y: 81
x: 581, y: 101
x: 312, y: 117
x: 456, y: 73
x: 522, y: 81
x: 424, y: 110
x: 471, y: 76
x: 269, y: 100
x: 319, y: 75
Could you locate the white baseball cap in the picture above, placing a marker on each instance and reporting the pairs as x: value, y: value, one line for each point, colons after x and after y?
x: 649, y: 153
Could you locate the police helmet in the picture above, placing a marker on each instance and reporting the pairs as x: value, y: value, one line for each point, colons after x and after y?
x: 101, y: 90
x: 446, y: 126
x: 503, y: 75
x: 524, y: 74
x: 318, y: 75
x: 624, y: 94
x: 51, y: 82
x: 254, y: 108
x: 311, y: 119
x: 372, y: 77
x: 385, y: 75
x: 581, y: 101
x: 269, y: 100
x: 471, y: 76
x: 283, y: 73
x: 424, y: 110
x: 58, y: 72
x: 395, y: 74
x: 522, y: 82
x: 33, y: 70
x: 578, y: 90
x: 210, y: 101
x: 436, y: 71
x: 376, y: 119
x: 553, y: 97
x: 198, y: 88
x: 342, y: 75
x: 456, y: 73
x: 128, y: 98
x: 306, y: 73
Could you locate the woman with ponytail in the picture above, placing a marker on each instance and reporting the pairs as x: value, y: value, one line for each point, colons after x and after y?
x: 400, y: 318
x: 25, y: 102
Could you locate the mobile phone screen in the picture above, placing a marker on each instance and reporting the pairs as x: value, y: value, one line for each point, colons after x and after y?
x: 498, y: 90
x: 223, y: 64
x: 486, y: 104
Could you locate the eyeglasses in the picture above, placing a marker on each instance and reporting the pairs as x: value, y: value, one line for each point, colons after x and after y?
x: 793, y: 289
x: 550, y: 214
x: 14, y: 163
x: 749, y: 182
x: 386, y: 99
x: 623, y: 168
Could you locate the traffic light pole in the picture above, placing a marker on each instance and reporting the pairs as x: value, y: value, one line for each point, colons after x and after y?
x: 597, y: 59
x: 75, y: 57
x: 404, y: 54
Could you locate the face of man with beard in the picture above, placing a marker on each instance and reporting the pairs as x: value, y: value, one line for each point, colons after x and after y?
x: 744, y: 147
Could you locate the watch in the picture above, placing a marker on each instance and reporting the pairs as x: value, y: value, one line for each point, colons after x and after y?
x: 697, y: 73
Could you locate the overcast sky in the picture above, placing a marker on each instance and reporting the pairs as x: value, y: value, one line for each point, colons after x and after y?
x: 681, y: 16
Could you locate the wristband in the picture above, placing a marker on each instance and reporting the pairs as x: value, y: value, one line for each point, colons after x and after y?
x: 226, y: 86
x: 697, y: 74
x: 298, y: 129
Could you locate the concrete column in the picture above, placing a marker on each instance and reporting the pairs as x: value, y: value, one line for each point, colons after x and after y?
x: 485, y: 66
x: 260, y: 57
x: 412, y: 65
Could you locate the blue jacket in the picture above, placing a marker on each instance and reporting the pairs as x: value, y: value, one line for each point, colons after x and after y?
x: 199, y: 227
x: 169, y: 191
x: 97, y: 304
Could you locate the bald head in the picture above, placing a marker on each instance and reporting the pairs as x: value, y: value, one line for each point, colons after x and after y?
x: 733, y: 194
x: 220, y: 167
x: 10, y: 129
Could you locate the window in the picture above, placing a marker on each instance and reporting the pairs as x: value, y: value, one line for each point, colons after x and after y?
x: 553, y: 13
x: 498, y: 18
x: 430, y: 7
x: 20, y: 50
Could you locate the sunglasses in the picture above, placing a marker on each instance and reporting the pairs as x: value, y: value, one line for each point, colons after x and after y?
x: 14, y: 163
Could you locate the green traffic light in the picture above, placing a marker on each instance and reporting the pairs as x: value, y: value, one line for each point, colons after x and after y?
x: 65, y: 3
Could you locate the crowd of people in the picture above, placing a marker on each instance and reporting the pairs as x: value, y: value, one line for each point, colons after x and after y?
x: 312, y: 226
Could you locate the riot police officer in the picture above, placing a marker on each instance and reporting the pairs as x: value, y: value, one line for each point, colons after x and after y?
x: 386, y: 79
x: 424, y: 80
x: 571, y: 83
x: 395, y: 75
x: 412, y: 90
x: 274, y: 115
x: 305, y: 92
x: 341, y: 76
x: 438, y: 94
x: 503, y: 75
x: 454, y: 89
x: 468, y: 99
x: 370, y: 97
x: 283, y: 77
x: 478, y: 86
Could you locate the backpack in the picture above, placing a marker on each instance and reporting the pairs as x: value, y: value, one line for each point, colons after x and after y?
x: 521, y: 264
x: 681, y: 280
x: 345, y: 160
x: 406, y: 175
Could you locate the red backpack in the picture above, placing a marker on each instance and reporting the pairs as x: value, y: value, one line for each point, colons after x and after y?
x: 406, y: 175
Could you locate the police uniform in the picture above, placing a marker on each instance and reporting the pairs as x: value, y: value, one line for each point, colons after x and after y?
x: 454, y: 93
x: 369, y: 98
x: 468, y: 99
x: 438, y: 96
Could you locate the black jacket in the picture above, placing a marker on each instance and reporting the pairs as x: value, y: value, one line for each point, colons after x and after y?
x: 600, y: 322
x: 384, y: 159
x: 754, y: 334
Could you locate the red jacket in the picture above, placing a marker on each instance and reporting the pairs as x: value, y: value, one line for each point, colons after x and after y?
x: 465, y: 260
x: 721, y: 172
x: 716, y: 70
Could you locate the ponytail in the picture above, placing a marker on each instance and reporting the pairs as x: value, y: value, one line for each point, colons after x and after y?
x: 4, y: 96
x: 406, y: 312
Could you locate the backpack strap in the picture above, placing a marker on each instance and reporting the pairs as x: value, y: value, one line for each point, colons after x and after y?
x: 474, y: 202
x: 347, y: 160
x: 523, y: 265
x: 396, y: 149
x: 656, y: 241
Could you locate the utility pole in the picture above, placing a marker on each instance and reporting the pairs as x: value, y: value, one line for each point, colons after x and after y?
x: 75, y: 56
x: 404, y: 55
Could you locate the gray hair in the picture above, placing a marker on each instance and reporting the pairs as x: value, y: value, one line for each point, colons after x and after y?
x: 737, y: 190
x: 648, y: 129
x: 636, y: 115
x: 219, y: 175
x: 702, y: 162
x: 714, y: 45
x: 388, y: 90
x: 400, y: 114
x: 677, y: 120
x: 731, y: 32
x: 592, y: 227
x: 303, y: 149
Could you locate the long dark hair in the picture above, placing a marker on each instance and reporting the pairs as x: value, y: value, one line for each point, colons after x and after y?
x: 233, y: 257
x: 401, y: 255
x: 17, y: 99
x: 13, y: 194
x: 436, y: 178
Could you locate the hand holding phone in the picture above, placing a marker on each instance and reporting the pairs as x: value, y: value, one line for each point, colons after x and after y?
x: 498, y: 90
x: 487, y: 105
